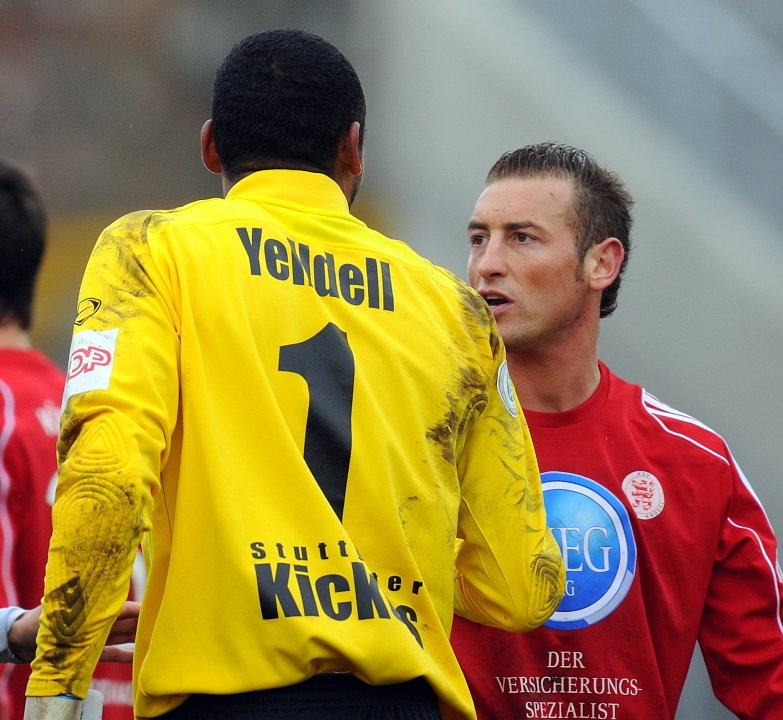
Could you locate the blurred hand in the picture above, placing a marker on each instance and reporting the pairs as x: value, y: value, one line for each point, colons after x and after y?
x: 119, y: 644
x: 21, y: 636
x: 119, y: 648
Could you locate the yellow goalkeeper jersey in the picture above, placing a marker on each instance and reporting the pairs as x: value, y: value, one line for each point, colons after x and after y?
x: 306, y: 417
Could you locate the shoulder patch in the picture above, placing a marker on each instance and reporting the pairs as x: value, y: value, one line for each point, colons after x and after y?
x: 90, y: 361
x: 506, y: 389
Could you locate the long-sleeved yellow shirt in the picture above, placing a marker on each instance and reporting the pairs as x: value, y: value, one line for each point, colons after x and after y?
x: 305, y: 416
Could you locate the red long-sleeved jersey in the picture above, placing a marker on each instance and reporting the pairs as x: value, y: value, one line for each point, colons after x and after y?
x: 664, y: 543
x: 31, y: 389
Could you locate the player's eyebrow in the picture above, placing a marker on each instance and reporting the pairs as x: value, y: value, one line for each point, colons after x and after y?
x: 478, y: 225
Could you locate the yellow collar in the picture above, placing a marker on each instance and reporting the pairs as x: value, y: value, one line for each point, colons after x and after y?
x: 291, y: 186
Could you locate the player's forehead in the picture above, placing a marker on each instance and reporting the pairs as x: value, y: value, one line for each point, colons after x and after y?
x: 523, y: 200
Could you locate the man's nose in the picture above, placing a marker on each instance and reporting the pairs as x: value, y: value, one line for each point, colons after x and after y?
x: 492, y: 261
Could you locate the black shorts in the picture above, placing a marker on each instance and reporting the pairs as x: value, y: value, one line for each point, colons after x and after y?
x: 323, y: 697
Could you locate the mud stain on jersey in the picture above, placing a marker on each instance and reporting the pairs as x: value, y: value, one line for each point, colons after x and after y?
x: 407, y: 505
x: 467, y: 395
x: 69, y: 432
x: 123, y: 245
x: 67, y: 619
x: 466, y: 402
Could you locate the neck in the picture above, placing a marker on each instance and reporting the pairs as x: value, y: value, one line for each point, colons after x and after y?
x: 14, y: 337
x: 554, y: 381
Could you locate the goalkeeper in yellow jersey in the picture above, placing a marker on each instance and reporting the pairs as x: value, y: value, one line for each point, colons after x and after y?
x: 312, y: 427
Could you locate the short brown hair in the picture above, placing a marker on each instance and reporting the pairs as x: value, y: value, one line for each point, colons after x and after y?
x: 602, y: 205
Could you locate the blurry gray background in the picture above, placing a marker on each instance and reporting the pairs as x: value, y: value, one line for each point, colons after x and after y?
x: 104, y: 100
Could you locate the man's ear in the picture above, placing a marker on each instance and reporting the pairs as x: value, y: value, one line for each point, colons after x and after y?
x: 351, y: 156
x: 209, y: 154
x: 603, y: 262
x: 349, y: 163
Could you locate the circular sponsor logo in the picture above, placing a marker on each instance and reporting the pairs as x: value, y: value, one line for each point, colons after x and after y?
x: 645, y: 493
x: 506, y: 389
x: 593, y: 529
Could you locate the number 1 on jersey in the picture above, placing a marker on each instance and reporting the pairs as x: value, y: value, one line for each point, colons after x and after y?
x: 326, y: 363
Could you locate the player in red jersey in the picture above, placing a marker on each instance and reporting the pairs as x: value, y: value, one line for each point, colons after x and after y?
x: 31, y: 389
x: 664, y: 541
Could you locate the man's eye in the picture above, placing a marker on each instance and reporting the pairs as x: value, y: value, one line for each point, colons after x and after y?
x: 523, y: 237
x: 477, y: 239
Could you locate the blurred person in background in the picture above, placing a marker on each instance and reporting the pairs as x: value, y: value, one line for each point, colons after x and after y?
x: 664, y: 541
x: 31, y: 389
x: 306, y: 416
